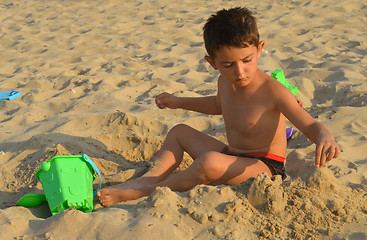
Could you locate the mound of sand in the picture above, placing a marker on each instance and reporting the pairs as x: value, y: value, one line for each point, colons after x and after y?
x: 314, y: 206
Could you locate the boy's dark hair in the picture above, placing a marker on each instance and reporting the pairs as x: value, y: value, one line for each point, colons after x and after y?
x: 234, y: 27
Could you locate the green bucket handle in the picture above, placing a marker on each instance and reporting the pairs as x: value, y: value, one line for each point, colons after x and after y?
x: 88, y: 160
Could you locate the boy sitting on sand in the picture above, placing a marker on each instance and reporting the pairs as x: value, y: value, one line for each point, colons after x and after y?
x: 254, y: 108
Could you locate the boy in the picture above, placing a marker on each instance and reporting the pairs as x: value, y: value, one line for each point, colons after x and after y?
x: 254, y: 108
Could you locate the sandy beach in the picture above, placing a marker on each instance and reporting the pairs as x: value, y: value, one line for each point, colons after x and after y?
x: 89, y: 71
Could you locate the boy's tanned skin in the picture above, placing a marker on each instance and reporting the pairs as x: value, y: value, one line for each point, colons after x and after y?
x: 254, y: 107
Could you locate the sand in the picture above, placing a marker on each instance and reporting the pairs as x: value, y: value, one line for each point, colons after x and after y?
x: 89, y: 71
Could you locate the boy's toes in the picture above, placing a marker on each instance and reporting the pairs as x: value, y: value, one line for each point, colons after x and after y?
x: 105, y: 202
x: 103, y: 197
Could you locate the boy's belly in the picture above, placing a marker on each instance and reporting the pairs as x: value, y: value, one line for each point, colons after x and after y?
x: 262, y: 141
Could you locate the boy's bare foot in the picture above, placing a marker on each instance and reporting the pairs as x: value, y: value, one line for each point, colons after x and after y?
x: 110, y: 196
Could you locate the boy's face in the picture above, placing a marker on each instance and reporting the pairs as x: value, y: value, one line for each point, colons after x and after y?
x: 237, y: 65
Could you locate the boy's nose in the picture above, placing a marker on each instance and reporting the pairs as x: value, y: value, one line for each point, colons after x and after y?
x: 240, y: 72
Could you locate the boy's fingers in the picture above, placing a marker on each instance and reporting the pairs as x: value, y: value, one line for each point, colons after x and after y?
x: 322, y: 159
x: 321, y: 156
x: 331, y: 154
x: 318, y: 156
x: 159, y: 102
x: 337, y: 152
x: 325, y: 152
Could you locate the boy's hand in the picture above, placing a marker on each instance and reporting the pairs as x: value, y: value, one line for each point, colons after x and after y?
x: 326, y: 150
x: 166, y: 100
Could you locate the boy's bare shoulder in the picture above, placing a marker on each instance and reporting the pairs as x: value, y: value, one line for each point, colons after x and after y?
x: 273, y: 90
x: 272, y: 85
x: 277, y: 93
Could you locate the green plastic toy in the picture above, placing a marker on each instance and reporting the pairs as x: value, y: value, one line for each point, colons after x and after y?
x: 279, y: 75
x: 32, y: 200
x: 67, y: 182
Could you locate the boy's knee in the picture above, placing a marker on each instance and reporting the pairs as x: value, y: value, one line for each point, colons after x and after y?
x: 179, y: 128
x: 210, y: 166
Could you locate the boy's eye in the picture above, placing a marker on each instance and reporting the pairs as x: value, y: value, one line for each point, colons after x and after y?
x: 228, y: 65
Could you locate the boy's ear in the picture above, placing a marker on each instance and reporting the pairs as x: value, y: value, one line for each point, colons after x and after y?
x: 211, y: 62
x: 260, y: 48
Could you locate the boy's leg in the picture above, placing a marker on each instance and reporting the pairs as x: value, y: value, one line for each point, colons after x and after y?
x: 212, y: 167
x: 179, y: 139
x: 216, y: 168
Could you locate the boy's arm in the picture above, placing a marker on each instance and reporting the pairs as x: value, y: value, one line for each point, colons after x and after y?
x: 326, y: 147
x: 207, y: 105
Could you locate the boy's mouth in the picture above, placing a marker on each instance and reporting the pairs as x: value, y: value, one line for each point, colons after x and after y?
x: 241, y: 79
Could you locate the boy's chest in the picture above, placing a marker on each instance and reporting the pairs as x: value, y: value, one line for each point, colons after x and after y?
x: 247, y: 115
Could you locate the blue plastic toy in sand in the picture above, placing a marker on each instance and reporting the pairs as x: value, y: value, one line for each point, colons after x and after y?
x: 67, y: 182
x: 9, y: 95
x: 288, y: 132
